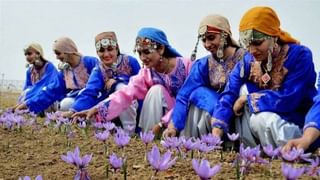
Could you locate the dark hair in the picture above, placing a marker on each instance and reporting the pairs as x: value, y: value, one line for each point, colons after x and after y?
x: 229, y: 42
x: 166, y: 53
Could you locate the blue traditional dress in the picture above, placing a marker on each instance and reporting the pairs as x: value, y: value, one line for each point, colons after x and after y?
x: 38, y: 88
x: 203, y: 86
x: 288, y: 94
x: 313, y: 116
x: 96, y: 89
x: 73, y: 80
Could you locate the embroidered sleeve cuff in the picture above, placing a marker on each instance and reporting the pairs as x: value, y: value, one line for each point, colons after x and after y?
x: 216, y: 123
x: 103, y: 109
x: 311, y: 124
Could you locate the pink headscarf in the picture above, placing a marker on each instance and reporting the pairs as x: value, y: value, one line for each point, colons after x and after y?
x: 65, y: 45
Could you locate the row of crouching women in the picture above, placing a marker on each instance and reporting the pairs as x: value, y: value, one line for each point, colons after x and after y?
x: 262, y: 88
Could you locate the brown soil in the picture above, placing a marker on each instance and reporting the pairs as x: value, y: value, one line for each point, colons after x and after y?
x: 39, y: 152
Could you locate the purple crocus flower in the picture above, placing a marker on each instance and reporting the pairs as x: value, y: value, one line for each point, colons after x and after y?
x: 190, y: 144
x: 233, y: 136
x: 211, y: 140
x: 121, y: 138
x: 292, y: 155
x: 116, y: 162
x: 102, y: 136
x: 290, y: 172
x: 171, y: 142
x: 109, y: 126
x: 251, y: 155
x: 147, y: 137
x: 203, y: 169
x: 75, y: 159
x: 159, y: 163
x: 314, y: 169
x: 270, y: 151
x: 39, y: 177
x: 82, y: 124
x: 204, y: 148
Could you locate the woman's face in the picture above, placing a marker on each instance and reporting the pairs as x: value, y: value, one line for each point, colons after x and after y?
x: 60, y: 56
x: 259, y: 49
x: 108, y: 55
x: 31, y: 55
x: 211, y: 42
x: 150, y: 58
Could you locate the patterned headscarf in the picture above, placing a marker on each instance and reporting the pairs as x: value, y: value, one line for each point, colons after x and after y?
x: 264, y: 20
x: 158, y: 36
x: 35, y: 46
x: 66, y: 45
x: 215, y: 23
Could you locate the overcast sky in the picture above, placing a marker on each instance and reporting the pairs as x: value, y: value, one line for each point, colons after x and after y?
x: 43, y: 21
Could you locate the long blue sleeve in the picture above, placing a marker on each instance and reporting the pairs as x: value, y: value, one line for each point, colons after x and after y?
x: 135, y: 66
x: 224, y: 109
x: 90, y: 62
x: 28, y: 82
x: 313, y: 116
x: 45, y: 91
x: 197, y: 77
x: 88, y: 97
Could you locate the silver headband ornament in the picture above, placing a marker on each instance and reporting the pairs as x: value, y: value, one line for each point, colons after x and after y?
x: 105, y: 43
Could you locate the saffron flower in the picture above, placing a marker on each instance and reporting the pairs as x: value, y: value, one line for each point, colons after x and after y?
x: 291, y: 173
x: 203, y: 169
x: 233, y: 136
x: 116, y: 162
x: 211, y: 140
x: 171, y: 143
x: 102, y: 136
x: 121, y: 138
x: 271, y: 152
x: 75, y: 159
x: 159, y: 163
x: 314, y: 169
x: 147, y: 137
x: 39, y: 177
x: 292, y: 155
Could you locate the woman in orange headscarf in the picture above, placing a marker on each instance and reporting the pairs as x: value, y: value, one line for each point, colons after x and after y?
x: 277, y: 88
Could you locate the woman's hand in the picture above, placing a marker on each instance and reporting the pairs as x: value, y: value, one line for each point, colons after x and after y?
x: 156, y: 129
x: 109, y: 83
x: 310, y: 135
x: 239, y: 104
x: 171, y: 131
x: 88, y: 114
x: 20, y: 107
x: 217, y: 132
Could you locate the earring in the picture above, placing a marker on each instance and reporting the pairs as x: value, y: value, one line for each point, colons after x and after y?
x: 160, y: 58
x: 221, y: 47
x: 269, y: 63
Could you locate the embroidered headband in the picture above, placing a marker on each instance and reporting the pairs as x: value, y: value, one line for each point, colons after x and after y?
x: 105, y: 43
x: 247, y: 36
x: 145, y: 43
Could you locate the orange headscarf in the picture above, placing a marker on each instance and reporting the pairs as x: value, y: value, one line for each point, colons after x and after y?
x: 265, y: 20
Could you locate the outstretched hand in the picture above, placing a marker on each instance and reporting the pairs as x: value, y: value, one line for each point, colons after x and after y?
x: 171, y: 131
x: 88, y: 114
x: 299, y: 143
x: 20, y: 107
